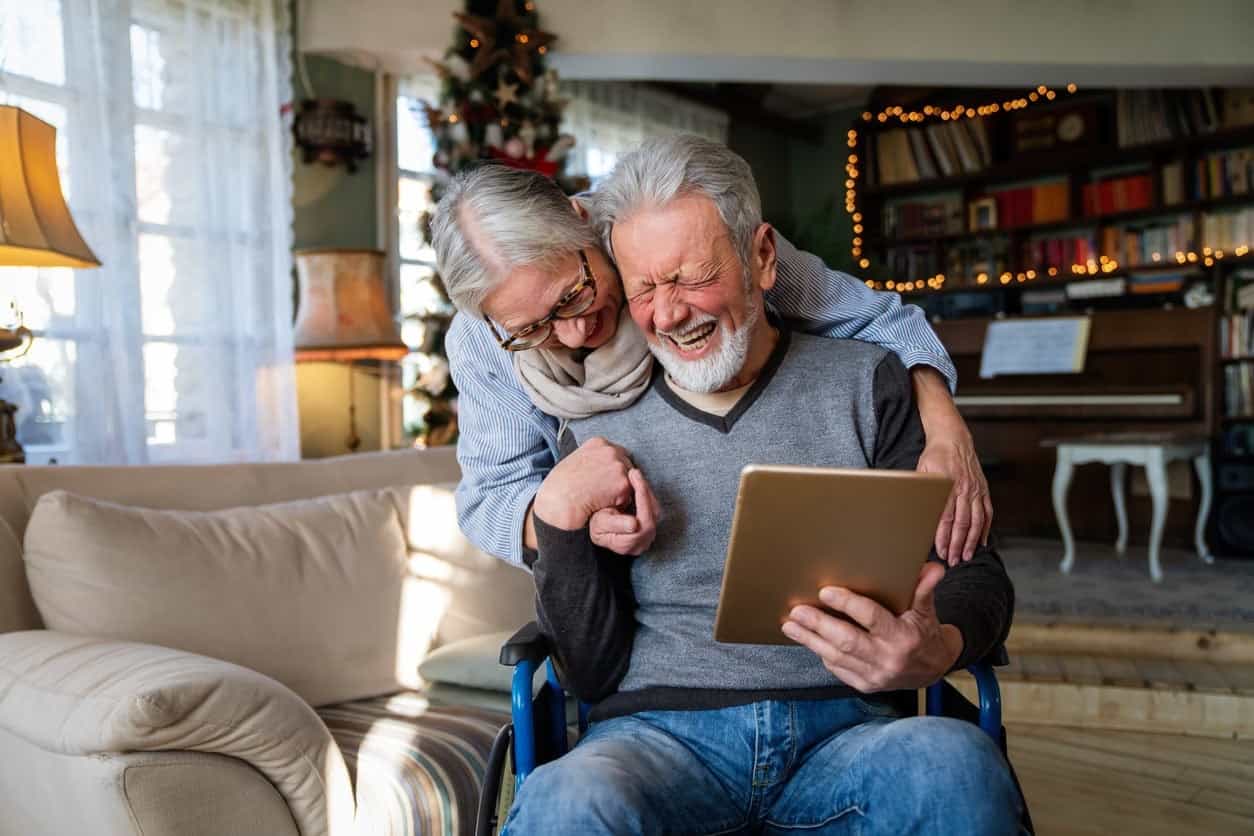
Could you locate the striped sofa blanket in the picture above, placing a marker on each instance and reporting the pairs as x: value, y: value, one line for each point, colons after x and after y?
x: 417, y: 768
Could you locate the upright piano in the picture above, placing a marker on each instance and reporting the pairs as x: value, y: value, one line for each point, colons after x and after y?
x: 1145, y: 371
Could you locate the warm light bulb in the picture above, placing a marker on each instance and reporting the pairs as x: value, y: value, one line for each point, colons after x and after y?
x: 1032, y: 97
x: 890, y: 284
x: 1041, y: 89
x: 474, y: 43
x: 857, y: 228
x: 883, y: 117
x: 522, y: 38
x: 1031, y: 274
x: 864, y: 263
x: 982, y: 278
x: 543, y: 50
x: 1210, y: 262
x: 857, y: 242
x: 857, y: 218
x: 1051, y: 95
x: 866, y: 117
x: 1053, y: 271
x: 1156, y: 256
x: 1219, y: 253
x: 1071, y: 88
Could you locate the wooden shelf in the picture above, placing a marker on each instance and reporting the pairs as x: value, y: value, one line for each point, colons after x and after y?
x: 1061, y: 163
x: 1110, y: 219
x: 1233, y: 361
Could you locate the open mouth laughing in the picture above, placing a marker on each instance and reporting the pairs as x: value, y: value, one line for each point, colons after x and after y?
x: 694, y: 338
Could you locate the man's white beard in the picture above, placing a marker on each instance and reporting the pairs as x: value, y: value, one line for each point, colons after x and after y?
x: 713, y: 372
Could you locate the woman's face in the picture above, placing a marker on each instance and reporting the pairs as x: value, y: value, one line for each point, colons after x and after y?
x: 529, y: 294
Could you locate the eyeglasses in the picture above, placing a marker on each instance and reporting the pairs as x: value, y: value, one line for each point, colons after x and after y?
x: 572, y: 303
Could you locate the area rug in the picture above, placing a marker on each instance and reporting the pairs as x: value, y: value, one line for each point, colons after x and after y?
x: 1108, y: 590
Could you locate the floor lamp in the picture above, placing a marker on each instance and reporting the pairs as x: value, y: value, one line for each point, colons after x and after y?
x: 343, y: 315
x: 36, y: 230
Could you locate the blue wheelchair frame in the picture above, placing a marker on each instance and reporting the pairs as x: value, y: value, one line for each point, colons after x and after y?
x: 528, y: 649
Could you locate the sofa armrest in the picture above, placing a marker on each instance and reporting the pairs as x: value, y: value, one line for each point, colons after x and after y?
x: 78, y: 695
x: 135, y: 794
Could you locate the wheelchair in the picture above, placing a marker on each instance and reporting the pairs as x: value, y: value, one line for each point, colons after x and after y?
x: 539, y: 731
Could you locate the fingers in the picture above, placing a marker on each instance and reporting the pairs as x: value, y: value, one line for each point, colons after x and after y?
x: 961, y: 526
x: 946, y: 526
x: 841, y: 646
x: 648, y: 509
x: 978, y: 529
x: 924, y: 594
x: 988, y: 518
x: 610, y: 521
x: 867, y: 613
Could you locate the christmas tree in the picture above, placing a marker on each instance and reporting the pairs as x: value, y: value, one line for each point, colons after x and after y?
x: 498, y: 105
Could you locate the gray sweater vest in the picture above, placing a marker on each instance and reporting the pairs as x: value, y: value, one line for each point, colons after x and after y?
x: 815, y: 403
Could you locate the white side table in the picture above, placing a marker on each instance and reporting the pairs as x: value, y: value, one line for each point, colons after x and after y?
x: 1148, y: 451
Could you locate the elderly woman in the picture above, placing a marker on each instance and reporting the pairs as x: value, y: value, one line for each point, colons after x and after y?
x: 543, y: 335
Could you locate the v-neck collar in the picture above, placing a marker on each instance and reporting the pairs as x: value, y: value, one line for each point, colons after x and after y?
x: 724, y: 423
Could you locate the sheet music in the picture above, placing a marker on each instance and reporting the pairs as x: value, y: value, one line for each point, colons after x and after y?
x: 1056, y: 345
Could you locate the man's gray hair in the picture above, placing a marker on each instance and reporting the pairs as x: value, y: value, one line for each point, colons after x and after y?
x: 678, y: 165
x: 493, y: 219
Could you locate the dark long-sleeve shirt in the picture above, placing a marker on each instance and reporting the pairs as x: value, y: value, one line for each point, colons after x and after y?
x: 633, y: 635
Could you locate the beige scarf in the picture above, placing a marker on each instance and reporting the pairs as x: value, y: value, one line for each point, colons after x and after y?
x: 610, y: 377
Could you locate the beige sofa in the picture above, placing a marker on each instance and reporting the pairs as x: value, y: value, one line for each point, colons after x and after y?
x: 70, y: 763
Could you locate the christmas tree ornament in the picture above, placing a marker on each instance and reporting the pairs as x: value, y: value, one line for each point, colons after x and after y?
x: 506, y: 93
x: 527, y: 133
x: 493, y: 135
x: 515, y: 148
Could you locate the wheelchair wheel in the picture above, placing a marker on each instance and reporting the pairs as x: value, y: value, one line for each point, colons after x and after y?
x: 497, y: 795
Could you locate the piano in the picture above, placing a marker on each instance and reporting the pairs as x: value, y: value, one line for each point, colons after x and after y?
x: 1146, y: 371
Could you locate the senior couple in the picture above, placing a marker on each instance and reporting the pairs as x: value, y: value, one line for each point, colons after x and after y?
x: 613, y: 478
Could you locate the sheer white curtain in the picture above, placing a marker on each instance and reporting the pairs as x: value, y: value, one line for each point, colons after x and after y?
x: 176, y: 162
x: 608, y: 119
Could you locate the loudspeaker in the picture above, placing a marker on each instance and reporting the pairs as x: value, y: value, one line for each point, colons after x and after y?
x: 1232, y: 526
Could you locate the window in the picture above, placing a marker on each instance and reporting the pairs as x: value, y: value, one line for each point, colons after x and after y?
x: 608, y: 119
x: 424, y: 308
x: 175, y: 164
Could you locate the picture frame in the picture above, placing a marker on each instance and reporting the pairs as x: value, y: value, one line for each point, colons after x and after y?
x: 982, y: 214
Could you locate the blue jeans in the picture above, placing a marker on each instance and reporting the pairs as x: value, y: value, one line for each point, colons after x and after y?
x: 822, y: 767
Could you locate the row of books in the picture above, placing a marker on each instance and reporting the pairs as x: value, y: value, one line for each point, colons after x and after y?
x: 1039, y: 204
x: 1236, y: 335
x: 1228, y: 230
x: 908, y: 263
x: 942, y: 216
x: 1239, y: 390
x: 1059, y: 251
x: 1118, y: 194
x: 1218, y: 174
x: 1145, y: 244
x: 944, y: 149
x: 1162, y: 115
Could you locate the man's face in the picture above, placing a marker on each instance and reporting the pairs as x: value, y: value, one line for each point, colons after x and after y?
x: 528, y: 294
x: 688, y: 292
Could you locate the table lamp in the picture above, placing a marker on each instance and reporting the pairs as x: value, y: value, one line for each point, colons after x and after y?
x: 36, y: 230
x: 343, y: 314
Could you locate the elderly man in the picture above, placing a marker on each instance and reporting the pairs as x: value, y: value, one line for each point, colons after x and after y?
x: 690, y: 735
x: 510, y: 247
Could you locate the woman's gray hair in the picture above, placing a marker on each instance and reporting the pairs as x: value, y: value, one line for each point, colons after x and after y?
x: 493, y: 219
x: 669, y: 167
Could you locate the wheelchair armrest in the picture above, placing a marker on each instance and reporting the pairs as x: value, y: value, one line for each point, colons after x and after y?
x: 527, y: 644
x: 999, y: 658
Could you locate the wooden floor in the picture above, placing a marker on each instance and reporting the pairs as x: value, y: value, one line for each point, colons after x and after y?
x: 1087, y: 781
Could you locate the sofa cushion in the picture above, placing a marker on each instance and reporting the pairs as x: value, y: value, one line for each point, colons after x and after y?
x: 418, y: 768
x: 470, y: 663
x: 307, y: 592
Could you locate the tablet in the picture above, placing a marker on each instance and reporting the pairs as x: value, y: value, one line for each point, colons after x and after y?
x: 798, y: 529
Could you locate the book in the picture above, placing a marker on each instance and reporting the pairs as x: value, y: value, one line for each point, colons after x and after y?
x: 946, y: 156
x: 922, y: 157
x: 967, y: 152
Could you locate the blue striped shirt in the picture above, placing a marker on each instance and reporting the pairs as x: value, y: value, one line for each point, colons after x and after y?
x: 507, y: 446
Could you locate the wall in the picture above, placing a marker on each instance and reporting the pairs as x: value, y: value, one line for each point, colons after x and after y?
x: 333, y: 208
x: 959, y: 42
x: 801, y: 183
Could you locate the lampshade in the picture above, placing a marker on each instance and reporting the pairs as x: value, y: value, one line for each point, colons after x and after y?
x: 342, y: 310
x: 36, y: 229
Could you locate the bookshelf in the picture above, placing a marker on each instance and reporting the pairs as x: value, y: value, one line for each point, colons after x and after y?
x: 1233, y: 447
x: 1112, y: 182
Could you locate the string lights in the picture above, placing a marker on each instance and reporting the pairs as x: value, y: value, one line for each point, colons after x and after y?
x: 1042, y: 93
